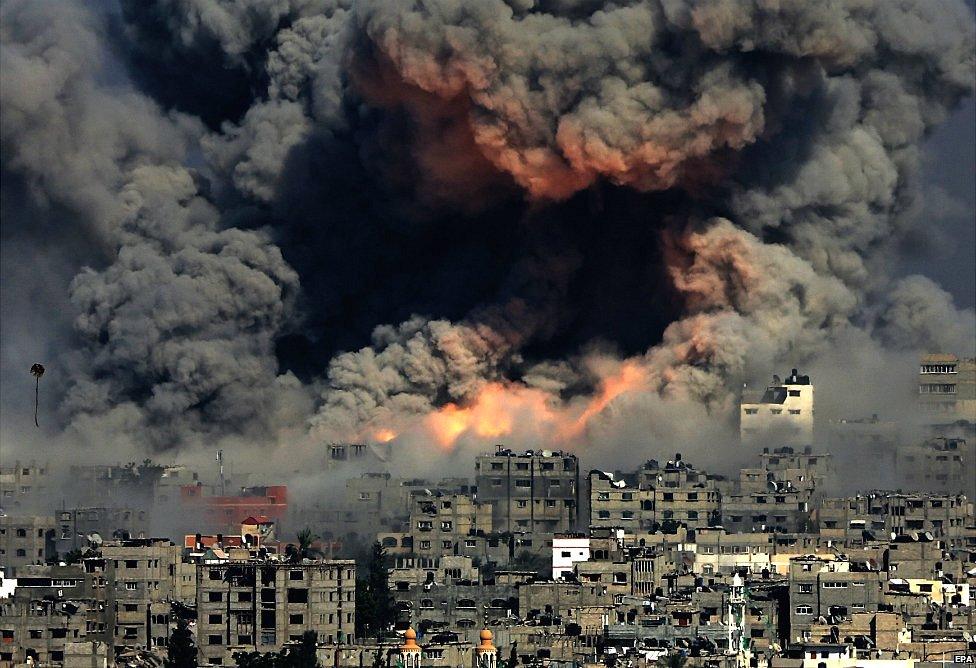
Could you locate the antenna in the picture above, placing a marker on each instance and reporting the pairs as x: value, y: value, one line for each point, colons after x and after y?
x: 220, y: 466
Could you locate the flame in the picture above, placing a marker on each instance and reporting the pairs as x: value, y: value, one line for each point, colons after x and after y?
x: 630, y: 377
x: 384, y: 435
x: 504, y: 409
x: 493, y: 412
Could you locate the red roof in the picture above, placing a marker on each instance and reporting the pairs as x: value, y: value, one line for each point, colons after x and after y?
x: 260, y: 519
x: 190, y: 540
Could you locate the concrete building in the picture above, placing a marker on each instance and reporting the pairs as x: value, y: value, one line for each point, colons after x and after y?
x: 830, y: 589
x: 532, y: 492
x: 134, y: 581
x: 568, y: 550
x: 618, y: 503
x: 258, y: 605
x: 946, y: 465
x: 683, y: 495
x: 947, y: 389
x: 76, y: 525
x: 783, y: 414
x: 24, y: 486
x: 28, y: 539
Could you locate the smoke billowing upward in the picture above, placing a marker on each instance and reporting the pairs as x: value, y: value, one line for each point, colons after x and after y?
x: 276, y: 224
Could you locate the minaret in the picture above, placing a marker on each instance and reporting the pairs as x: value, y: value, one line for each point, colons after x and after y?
x: 736, y: 638
x: 485, y: 654
x: 410, y: 650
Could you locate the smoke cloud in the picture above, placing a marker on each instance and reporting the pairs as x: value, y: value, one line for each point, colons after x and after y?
x: 441, y: 224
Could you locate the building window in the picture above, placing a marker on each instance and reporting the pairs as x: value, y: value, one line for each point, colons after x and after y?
x: 215, y: 639
x: 295, y: 575
x: 215, y: 596
x: 523, y: 483
x: 751, y: 411
x: 215, y: 619
x: 794, y: 411
x: 804, y: 610
x: 296, y: 619
x: 794, y: 393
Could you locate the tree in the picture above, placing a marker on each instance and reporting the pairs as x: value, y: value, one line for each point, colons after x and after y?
x: 181, y: 651
x: 375, y: 607
x: 299, y: 655
x: 672, y: 660
x: 512, y: 656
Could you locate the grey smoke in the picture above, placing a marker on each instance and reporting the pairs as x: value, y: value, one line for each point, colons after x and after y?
x: 784, y: 140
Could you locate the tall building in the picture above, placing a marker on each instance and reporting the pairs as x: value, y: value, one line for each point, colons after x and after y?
x: 783, y: 415
x: 947, y: 389
x: 535, y: 491
x: 258, y: 605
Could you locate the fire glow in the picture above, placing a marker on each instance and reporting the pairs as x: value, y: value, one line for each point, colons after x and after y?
x: 501, y: 410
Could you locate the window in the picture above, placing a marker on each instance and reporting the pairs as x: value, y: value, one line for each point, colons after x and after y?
x: 603, y: 514
x: 214, y: 639
x: 131, y: 586
x: 425, y: 545
x: 804, y: 610
x: 215, y: 619
x: 496, y: 482
x: 132, y: 563
x: 835, y: 585
x: 775, y: 411
x: 794, y: 411
x: 244, y: 597
x: 298, y: 595
x: 751, y: 411
x: 794, y: 393
x: 216, y: 574
x: 295, y: 575
x: 298, y: 619
x: 523, y: 483
x: 565, y: 555
x: 806, y: 588
x: 522, y: 466
x: 447, y: 526
x: 522, y: 504
x: 215, y: 596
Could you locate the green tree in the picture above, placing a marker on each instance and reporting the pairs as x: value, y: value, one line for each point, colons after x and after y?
x: 181, y: 652
x: 375, y: 607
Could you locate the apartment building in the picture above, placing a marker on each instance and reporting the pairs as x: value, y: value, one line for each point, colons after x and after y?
x: 784, y: 413
x: 683, y: 495
x: 616, y: 502
x: 47, y: 611
x: 24, y: 486
x: 946, y: 465
x: 946, y: 389
x: 135, y: 580
x: 26, y: 539
x: 76, y: 525
x: 719, y: 552
x: 530, y: 492
x: 879, y: 515
x: 258, y: 605
x: 781, y: 509
x: 829, y: 588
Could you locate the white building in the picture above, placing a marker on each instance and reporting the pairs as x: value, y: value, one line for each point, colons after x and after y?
x: 567, y: 551
x: 782, y: 416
